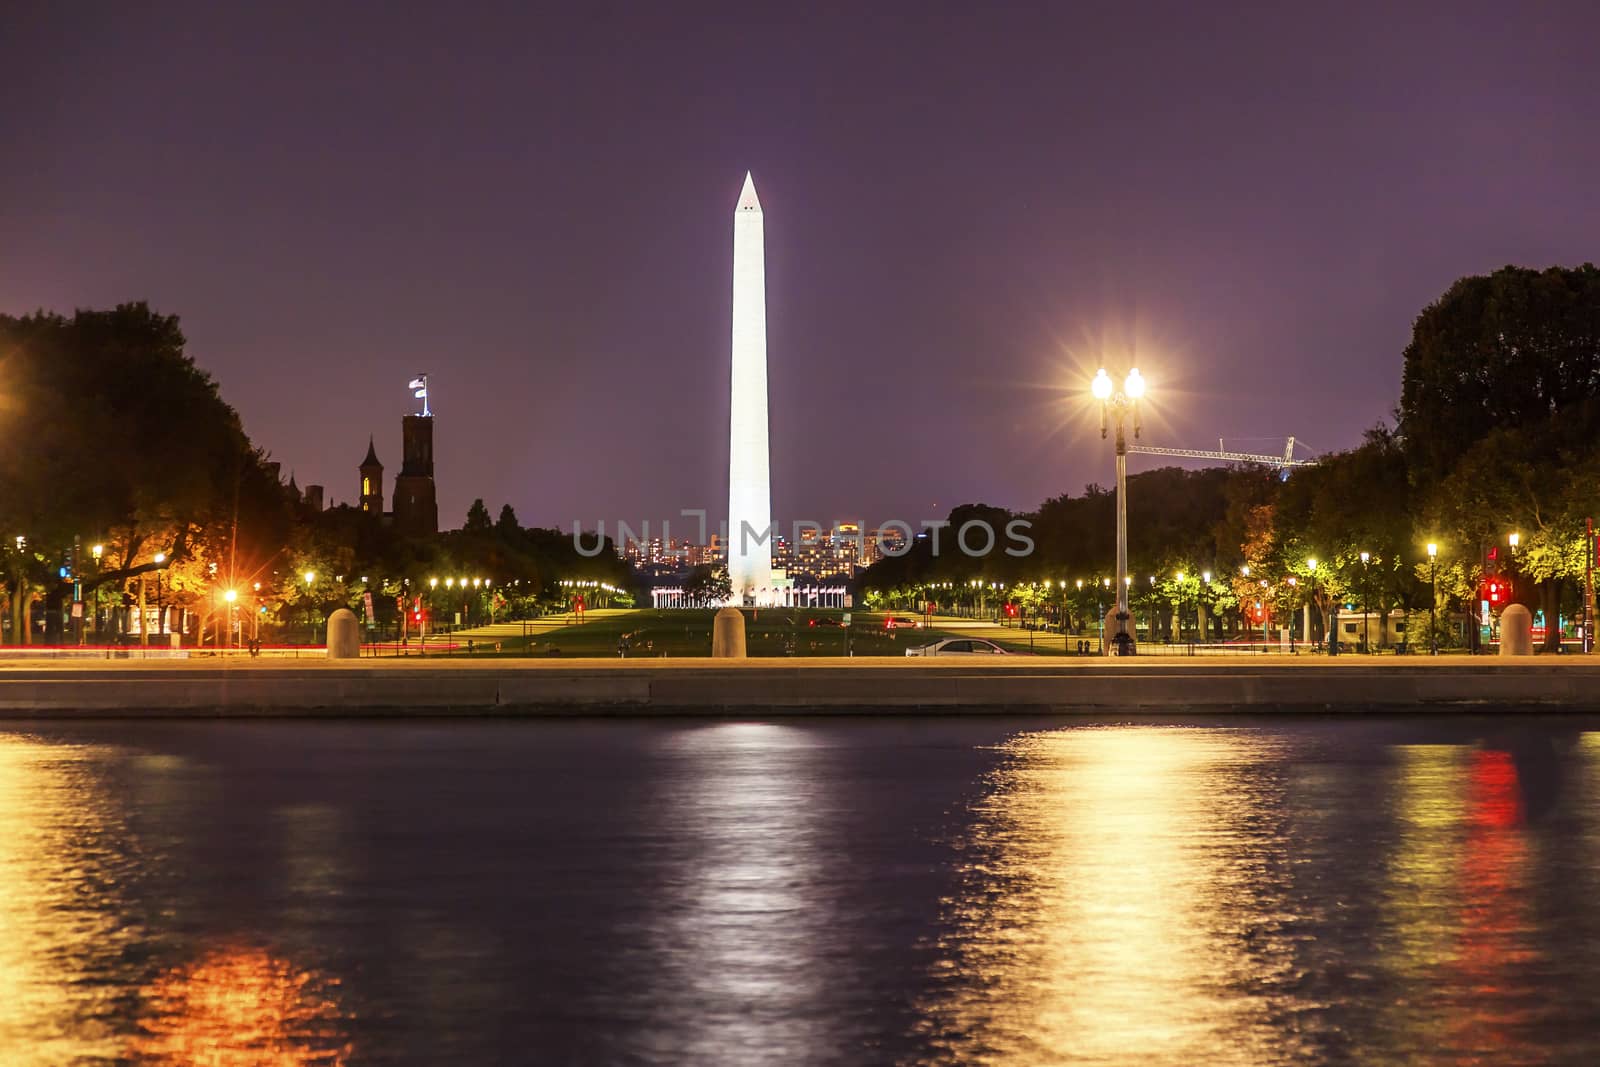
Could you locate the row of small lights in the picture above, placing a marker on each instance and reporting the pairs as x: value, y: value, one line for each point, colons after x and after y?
x: 1205, y: 576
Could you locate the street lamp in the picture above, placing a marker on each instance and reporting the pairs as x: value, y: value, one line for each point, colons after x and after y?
x: 1294, y: 591
x: 97, y: 551
x: 230, y: 596
x: 161, y: 615
x: 1311, y: 597
x: 1180, y: 577
x: 1366, y: 607
x: 1120, y: 404
x: 311, y: 625
x: 1433, y: 599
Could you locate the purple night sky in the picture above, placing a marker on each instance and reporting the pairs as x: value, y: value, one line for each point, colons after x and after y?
x: 963, y: 210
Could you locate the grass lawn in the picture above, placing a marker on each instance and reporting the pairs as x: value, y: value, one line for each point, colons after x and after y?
x: 770, y: 632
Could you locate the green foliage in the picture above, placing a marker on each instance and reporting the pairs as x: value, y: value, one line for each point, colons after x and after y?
x: 129, y: 444
x: 708, y: 585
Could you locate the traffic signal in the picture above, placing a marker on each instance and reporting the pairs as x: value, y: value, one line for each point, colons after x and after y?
x: 1495, y: 589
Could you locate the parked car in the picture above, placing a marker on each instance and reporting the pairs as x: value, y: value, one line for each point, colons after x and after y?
x: 959, y: 646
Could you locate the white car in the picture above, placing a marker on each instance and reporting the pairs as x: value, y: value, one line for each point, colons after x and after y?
x: 959, y: 646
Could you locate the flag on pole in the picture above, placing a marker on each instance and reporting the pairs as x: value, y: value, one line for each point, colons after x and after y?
x: 419, y: 388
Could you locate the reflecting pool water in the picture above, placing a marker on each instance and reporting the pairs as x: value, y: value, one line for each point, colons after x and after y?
x: 943, y: 890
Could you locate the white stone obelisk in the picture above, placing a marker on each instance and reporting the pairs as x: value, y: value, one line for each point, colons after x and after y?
x: 749, y: 480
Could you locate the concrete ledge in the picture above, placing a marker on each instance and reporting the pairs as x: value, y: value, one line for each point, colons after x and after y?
x: 686, y: 687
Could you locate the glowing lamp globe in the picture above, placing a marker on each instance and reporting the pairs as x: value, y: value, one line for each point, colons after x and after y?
x: 1134, y: 385
x: 1102, y: 385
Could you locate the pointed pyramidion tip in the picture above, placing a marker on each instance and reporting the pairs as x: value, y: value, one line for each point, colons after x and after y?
x: 747, y: 197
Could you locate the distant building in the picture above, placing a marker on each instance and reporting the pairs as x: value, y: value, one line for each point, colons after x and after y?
x: 416, y: 508
x: 372, y: 483
x: 416, y: 505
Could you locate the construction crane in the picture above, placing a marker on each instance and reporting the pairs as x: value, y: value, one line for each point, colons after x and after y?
x: 1282, y: 463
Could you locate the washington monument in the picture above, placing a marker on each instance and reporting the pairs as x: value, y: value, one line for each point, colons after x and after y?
x: 749, y: 482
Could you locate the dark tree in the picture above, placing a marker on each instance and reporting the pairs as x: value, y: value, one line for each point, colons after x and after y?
x: 128, y: 444
x: 477, y: 518
x: 1500, y: 412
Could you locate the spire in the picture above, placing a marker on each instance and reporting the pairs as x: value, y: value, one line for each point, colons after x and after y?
x: 372, y: 455
x: 747, y: 197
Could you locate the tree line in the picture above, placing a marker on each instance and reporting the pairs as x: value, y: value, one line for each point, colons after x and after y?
x: 122, y: 465
x: 1497, y: 430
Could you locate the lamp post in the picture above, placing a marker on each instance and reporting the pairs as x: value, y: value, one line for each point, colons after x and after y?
x: 1080, y: 593
x: 1433, y: 599
x: 1294, y: 590
x: 1119, y: 404
x: 97, y: 551
x: 311, y: 626
x: 1100, y: 607
x: 230, y: 596
x: 1244, y: 607
x: 1181, y: 576
x: 1366, y: 605
x: 1311, y: 598
x: 161, y: 615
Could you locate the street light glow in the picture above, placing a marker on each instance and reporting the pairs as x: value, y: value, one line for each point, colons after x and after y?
x: 230, y: 596
x: 310, y: 576
x: 161, y: 557
x: 1101, y: 386
x: 1516, y: 539
x: 1134, y: 385
x: 1433, y: 550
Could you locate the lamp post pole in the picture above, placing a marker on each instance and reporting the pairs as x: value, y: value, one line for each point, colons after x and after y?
x: 1433, y: 600
x: 1366, y: 606
x: 161, y: 615
x: 1181, y: 577
x: 1119, y: 403
x: 311, y: 625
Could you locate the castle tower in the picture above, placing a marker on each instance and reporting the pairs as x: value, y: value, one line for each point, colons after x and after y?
x: 371, y: 484
x: 416, y: 510
x: 749, y: 482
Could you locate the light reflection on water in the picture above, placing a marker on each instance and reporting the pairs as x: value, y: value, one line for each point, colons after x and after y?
x: 76, y: 960
x: 63, y: 927
x: 1114, y: 891
x: 1157, y: 895
x: 958, y: 891
x: 240, y: 1005
x: 742, y: 919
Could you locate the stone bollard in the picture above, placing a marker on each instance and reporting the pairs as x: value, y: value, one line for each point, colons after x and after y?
x: 1516, y: 631
x: 344, y: 635
x: 727, y: 634
x: 1118, y: 623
